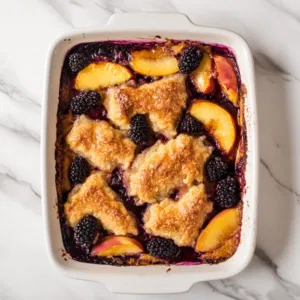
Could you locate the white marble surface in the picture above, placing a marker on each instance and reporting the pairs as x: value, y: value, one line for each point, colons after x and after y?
x: 271, y: 27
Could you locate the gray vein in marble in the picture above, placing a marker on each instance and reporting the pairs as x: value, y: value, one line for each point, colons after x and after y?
x: 74, y: 2
x: 286, y: 285
x: 283, y: 9
x: 215, y: 289
x: 284, y: 186
x: 20, y: 130
x: 21, y: 193
x: 15, y: 94
x: 109, y: 7
x: 56, y: 8
x: 265, y: 258
x: 233, y: 290
x: 267, y: 64
x: 122, y: 6
x: 8, y: 174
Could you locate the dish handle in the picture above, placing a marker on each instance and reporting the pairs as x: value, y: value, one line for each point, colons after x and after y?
x: 146, y: 285
x: 153, y: 21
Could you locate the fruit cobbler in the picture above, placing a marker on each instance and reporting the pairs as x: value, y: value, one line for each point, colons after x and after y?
x: 150, y: 153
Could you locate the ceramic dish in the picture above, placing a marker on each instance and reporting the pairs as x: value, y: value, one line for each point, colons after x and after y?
x: 156, y: 278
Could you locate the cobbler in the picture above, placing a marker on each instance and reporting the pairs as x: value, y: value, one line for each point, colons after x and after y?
x: 150, y: 152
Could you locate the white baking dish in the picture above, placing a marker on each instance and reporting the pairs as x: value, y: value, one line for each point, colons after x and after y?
x: 148, y: 279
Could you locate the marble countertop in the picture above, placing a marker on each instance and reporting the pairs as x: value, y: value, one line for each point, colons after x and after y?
x: 272, y: 29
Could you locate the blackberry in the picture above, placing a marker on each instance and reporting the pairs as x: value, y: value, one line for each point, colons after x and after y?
x: 190, y: 59
x: 227, y: 192
x: 190, y: 125
x: 79, y: 170
x: 121, y: 54
x: 117, y: 53
x: 86, y: 231
x: 84, y: 102
x: 78, y: 61
x: 140, y: 131
x: 215, y: 168
x: 163, y: 248
x: 95, y: 51
x: 117, y: 184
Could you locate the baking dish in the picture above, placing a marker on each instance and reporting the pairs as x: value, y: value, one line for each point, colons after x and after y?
x: 147, y: 279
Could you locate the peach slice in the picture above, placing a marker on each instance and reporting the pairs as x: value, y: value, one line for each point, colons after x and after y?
x: 217, y: 121
x: 218, y: 230
x: 154, y: 62
x: 101, y: 75
x: 117, y: 245
x: 227, y: 78
x: 202, y: 77
x: 223, y: 252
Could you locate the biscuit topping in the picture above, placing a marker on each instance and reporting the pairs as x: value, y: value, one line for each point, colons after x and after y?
x: 96, y: 198
x: 163, y: 101
x: 180, y: 220
x: 156, y: 172
x: 103, y: 146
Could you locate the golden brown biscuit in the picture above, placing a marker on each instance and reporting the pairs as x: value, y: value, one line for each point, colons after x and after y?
x: 163, y: 100
x: 103, y: 146
x: 179, y: 220
x: 95, y: 197
x: 157, y: 171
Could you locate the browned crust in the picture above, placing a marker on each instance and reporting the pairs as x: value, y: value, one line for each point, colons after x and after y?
x: 103, y: 146
x: 163, y: 167
x: 163, y: 100
x: 180, y: 221
x: 95, y: 197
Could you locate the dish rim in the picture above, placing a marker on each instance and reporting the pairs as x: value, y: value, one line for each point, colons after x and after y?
x: 155, y: 279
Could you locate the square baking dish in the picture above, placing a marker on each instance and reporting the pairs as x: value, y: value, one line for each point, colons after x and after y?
x: 147, y: 279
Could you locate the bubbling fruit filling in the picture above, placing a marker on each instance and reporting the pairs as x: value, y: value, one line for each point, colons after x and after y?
x: 150, y: 152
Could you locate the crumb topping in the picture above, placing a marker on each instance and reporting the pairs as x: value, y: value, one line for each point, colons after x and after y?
x: 103, y: 146
x: 164, y: 167
x: 179, y: 220
x: 163, y: 101
x: 95, y: 197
